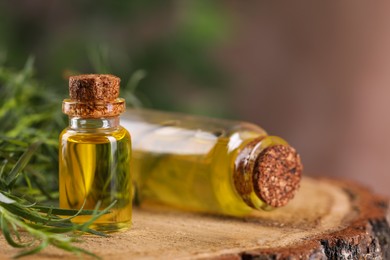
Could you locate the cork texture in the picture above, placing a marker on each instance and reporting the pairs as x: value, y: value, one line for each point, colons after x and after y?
x: 94, y: 96
x: 277, y: 175
x: 93, y: 109
x: 94, y: 87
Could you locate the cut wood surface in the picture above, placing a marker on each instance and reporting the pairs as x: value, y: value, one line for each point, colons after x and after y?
x: 327, y: 220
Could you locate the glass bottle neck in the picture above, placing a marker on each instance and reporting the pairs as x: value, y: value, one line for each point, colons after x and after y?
x: 246, y: 163
x: 86, y: 124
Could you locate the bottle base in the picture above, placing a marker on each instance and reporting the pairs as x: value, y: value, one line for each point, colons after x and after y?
x: 111, y: 227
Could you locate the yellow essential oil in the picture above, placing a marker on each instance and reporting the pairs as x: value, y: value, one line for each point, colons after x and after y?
x: 95, y: 157
x: 209, y: 165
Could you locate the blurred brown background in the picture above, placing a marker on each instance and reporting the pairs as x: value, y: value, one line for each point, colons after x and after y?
x: 315, y: 73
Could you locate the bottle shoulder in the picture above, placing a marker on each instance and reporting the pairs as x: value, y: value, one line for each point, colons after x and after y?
x: 95, y: 135
x: 172, y: 133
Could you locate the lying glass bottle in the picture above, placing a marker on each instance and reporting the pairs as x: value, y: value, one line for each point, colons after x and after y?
x: 210, y: 165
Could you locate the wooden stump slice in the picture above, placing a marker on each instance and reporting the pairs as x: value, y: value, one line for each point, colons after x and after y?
x: 327, y: 220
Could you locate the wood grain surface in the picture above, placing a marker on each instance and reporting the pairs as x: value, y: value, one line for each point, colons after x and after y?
x: 327, y: 220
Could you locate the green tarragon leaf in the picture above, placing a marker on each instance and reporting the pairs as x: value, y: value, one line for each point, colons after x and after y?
x: 21, y: 163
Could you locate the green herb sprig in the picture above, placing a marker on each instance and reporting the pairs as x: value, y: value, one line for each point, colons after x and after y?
x: 30, y: 120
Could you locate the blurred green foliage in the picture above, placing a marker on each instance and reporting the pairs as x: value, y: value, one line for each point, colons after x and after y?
x: 160, y: 49
x: 164, y: 46
x: 171, y: 41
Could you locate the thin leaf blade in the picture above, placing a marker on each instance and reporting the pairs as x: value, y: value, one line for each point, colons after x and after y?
x: 21, y: 163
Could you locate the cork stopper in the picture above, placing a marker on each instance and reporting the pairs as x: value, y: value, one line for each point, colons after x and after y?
x: 277, y: 175
x: 94, y: 87
x: 94, y: 96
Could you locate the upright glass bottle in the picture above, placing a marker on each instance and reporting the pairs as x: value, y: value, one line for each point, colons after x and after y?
x: 210, y: 165
x: 95, y: 152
